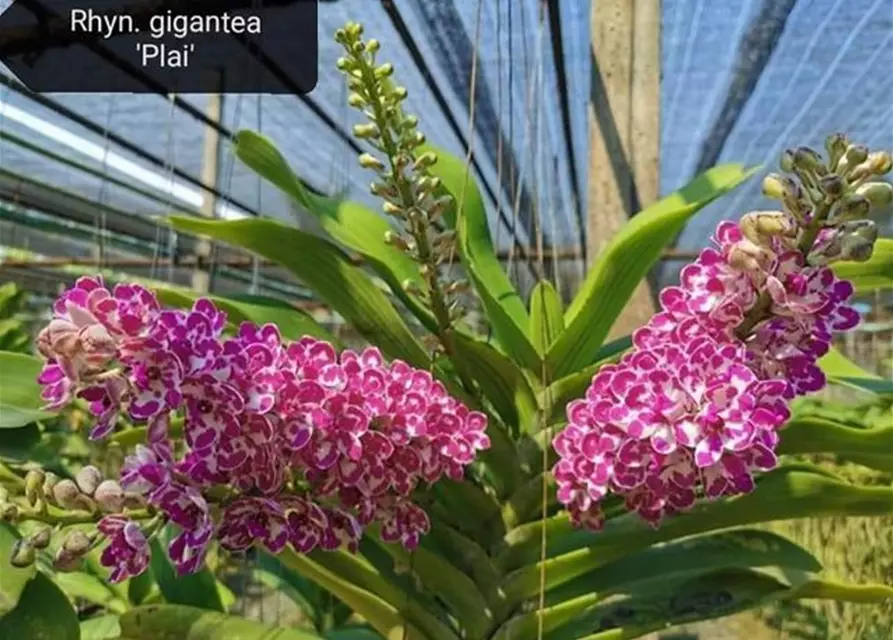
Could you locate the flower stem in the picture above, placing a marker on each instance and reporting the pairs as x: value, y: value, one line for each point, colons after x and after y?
x: 418, y: 224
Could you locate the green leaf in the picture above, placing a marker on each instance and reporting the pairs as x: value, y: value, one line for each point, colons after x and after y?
x: 670, y: 564
x: 818, y: 435
x: 12, y: 579
x: 43, y: 613
x: 842, y: 370
x: 546, y: 316
x: 326, y: 270
x: 874, y: 273
x: 463, y: 598
x: 105, y: 627
x: 349, y: 223
x: 787, y: 493
x: 84, y: 585
x: 503, y: 305
x: 844, y: 592
x: 713, y: 595
x: 383, y: 616
x: 20, y: 401
x: 558, y: 394
x: 197, y: 589
x: 623, y: 263
x: 139, y: 587
x: 293, y: 323
x: 179, y: 622
x: 501, y: 381
x: 306, y: 595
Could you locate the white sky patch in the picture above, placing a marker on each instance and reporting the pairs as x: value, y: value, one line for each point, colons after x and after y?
x: 111, y: 160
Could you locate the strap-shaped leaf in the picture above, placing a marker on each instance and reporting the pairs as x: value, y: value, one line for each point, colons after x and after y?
x: 546, y: 316
x: 349, y: 223
x: 20, y: 401
x: 818, y: 435
x: 789, y: 492
x: 326, y: 270
x: 623, y: 263
x: 43, y: 611
x: 459, y: 592
x: 104, y: 627
x: 713, y: 595
x: 393, y: 622
x: 842, y: 370
x: 574, y: 386
x: 13, y: 580
x: 503, y: 305
x: 874, y: 273
x: 501, y: 381
x: 162, y: 621
x: 673, y: 563
x: 293, y: 323
x: 197, y: 589
x: 78, y: 584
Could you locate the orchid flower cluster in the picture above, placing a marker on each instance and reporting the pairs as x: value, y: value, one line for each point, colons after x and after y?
x: 696, y: 408
x: 282, y: 443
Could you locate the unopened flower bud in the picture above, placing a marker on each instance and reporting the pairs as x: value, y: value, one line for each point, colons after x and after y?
x: 23, y: 554
x: 368, y: 161
x: 865, y: 229
x: 807, y: 160
x: 366, y: 131
x: 373, y: 46
x: 384, y: 71
x: 49, y: 485
x: 353, y: 29
x: 34, y: 480
x: 786, y: 162
x: 66, y: 494
x: 827, y: 250
x: 77, y: 543
x: 836, y: 146
x: 396, y: 240
x: 64, y: 561
x: 856, y: 154
x: 880, y: 162
x: 878, y: 194
x: 400, y: 93
x: 356, y: 101
x: 88, y: 478
x: 773, y: 187
x: 41, y: 539
x: 9, y: 512
x: 854, y: 206
x: 749, y: 257
x: 833, y: 185
x: 109, y: 496
x: 392, y: 209
x: 427, y: 159
x: 344, y: 64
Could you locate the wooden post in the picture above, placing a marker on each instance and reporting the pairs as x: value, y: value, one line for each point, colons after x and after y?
x: 201, y: 275
x: 624, y: 129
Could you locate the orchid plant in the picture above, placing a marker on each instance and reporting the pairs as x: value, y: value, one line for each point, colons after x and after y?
x: 456, y: 485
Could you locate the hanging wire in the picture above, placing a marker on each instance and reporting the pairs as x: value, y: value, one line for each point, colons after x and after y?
x: 528, y: 133
x: 471, y: 115
x: 169, y: 169
x: 100, y: 222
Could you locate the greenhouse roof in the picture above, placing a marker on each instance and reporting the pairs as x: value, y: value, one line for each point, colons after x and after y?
x: 742, y: 79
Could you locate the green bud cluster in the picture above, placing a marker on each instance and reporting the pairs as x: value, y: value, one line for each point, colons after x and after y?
x: 410, y: 194
x: 839, y: 191
x: 58, y: 502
